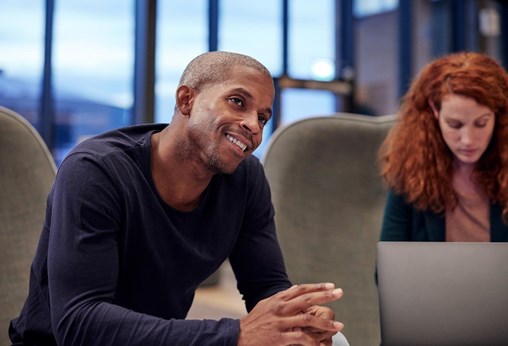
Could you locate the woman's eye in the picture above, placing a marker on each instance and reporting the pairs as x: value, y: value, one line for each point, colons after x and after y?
x: 454, y: 125
x: 482, y: 123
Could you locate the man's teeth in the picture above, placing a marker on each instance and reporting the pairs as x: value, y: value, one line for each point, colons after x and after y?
x: 237, y: 142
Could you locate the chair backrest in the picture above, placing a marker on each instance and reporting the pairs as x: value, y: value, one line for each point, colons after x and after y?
x: 27, y: 171
x: 329, y: 198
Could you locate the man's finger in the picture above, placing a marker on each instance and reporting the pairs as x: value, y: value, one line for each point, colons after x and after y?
x: 301, y: 303
x: 298, y: 290
x: 311, y: 322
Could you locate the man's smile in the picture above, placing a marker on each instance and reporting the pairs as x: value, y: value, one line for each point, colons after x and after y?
x: 236, y: 141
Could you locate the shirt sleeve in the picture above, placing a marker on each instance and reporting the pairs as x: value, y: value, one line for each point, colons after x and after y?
x: 257, y: 258
x: 397, y: 220
x: 83, y: 260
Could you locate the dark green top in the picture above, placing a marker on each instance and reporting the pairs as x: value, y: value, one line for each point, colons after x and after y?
x: 403, y: 222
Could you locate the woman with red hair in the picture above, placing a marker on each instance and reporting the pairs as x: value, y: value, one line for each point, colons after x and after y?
x: 445, y: 162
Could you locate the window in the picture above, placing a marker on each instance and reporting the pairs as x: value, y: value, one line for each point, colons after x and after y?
x: 304, y: 103
x: 311, y: 57
x: 311, y: 39
x: 93, y: 69
x: 364, y: 8
x: 182, y: 34
x: 253, y: 28
x: 21, y: 60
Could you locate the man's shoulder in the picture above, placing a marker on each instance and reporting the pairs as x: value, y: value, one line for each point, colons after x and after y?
x: 117, y: 140
x: 252, y: 162
x: 249, y: 175
x: 250, y: 166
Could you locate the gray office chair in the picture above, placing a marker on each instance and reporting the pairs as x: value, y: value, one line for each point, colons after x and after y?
x: 329, y: 199
x: 27, y: 171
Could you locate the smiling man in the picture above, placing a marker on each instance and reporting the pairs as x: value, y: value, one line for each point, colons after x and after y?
x: 140, y: 216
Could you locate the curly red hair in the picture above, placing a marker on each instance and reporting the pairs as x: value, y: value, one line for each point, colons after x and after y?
x: 414, y: 159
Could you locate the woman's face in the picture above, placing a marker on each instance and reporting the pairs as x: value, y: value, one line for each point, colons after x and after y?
x: 466, y: 127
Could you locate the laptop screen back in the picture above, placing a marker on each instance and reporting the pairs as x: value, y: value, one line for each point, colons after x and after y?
x: 439, y: 293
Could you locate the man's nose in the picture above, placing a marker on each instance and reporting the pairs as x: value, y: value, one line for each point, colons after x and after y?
x: 251, y: 123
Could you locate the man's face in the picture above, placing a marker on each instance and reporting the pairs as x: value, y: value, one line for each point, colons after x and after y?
x: 227, y: 119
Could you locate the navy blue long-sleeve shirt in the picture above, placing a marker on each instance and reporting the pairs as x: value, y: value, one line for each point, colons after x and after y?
x: 116, y: 265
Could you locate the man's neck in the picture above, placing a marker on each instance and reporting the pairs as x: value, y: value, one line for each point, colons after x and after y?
x: 178, y: 182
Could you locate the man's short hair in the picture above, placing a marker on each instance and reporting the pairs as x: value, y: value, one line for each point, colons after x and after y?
x: 213, y: 67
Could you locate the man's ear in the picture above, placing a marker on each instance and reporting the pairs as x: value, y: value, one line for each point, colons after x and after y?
x: 434, y: 109
x: 184, y: 99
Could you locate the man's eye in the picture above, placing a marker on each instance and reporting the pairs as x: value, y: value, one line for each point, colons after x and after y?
x: 262, y: 119
x: 237, y: 101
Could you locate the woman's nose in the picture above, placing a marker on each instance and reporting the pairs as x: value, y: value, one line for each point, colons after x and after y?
x: 467, y: 135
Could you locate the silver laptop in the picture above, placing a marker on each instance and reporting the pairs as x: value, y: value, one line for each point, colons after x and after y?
x: 439, y: 293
